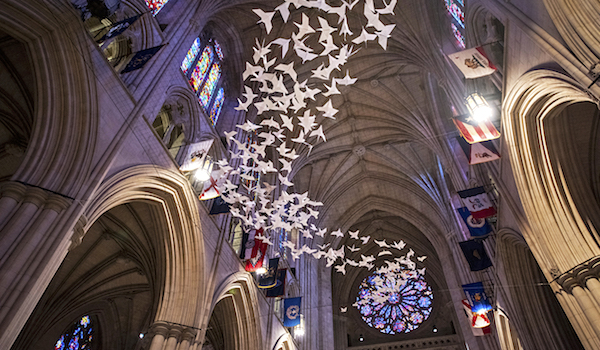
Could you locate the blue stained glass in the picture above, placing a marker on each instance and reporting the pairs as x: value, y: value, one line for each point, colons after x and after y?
x: 190, y: 56
x: 218, y: 50
x: 216, y: 107
x: 456, y: 12
x: 156, y: 5
x: 394, y: 301
x: 209, y: 86
x: 201, y: 68
x: 79, y: 336
x: 458, y: 36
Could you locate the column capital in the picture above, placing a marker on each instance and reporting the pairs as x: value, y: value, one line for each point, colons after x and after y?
x: 580, y: 274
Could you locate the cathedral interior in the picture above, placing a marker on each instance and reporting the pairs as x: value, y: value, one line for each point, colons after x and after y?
x: 293, y: 174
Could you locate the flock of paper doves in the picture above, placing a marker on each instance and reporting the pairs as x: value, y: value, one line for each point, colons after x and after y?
x: 288, y: 107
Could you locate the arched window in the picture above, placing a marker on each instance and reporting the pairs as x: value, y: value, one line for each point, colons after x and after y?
x: 156, y: 5
x: 456, y: 10
x: 205, y: 75
x: 78, y: 337
x: 172, y: 135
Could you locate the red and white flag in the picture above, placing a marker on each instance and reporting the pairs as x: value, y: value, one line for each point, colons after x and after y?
x: 258, y: 252
x: 480, y: 324
x: 473, y: 131
x: 478, y: 202
x: 212, y: 185
x: 473, y: 63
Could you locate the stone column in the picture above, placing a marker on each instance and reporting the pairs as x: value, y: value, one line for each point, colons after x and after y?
x: 35, y: 230
x: 581, y: 285
x: 159, y: 333
x: 170, y: 336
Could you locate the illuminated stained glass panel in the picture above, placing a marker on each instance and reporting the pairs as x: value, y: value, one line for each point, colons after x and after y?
x: 456, y: 11
x: 156, y: 5
x: 218, y: 50
x: 216, y: 107
x: 190, y: 56
x: 201, y: 68
x: 394, y: 300
x: 460, y: 39
x: 209, y: 86
x: 78, y: 337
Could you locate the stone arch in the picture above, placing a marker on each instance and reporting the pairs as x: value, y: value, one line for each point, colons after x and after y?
x: 577, y: 24
x: 561, y: 230
x: 183, y: 242
x: 236, y: 298
x: 58, y: 156
x: 562, y: 233
x: 196, y: 126
x: 531, y: 301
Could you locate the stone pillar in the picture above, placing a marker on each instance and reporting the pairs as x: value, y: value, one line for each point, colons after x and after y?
x: 187, y: 338
x: 159, y: 333
x: 581, y: 285
x: 171, y: 336
x: 35, y: 228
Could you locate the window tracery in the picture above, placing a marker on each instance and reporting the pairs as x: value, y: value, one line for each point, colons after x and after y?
x: 456, y: 10
x: 206, y: 75
x: 394, y: 301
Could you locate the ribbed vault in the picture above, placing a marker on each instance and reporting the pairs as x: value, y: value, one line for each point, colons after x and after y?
x: 116, y: 276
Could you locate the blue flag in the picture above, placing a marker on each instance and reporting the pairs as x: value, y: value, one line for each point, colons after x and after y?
x: 477, y: 227
x: 140, y: 59
x: 291, y: 312
x: 219, y: 207
x: 475, y: 254
x: 479, y: 301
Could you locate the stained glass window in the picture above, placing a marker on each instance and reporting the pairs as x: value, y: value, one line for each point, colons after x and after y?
x: 190, y: 56
x: 456, y: 11
x: 209, y: 86
x: 156, y: 5
x: 460, y: 39
x: 218, y: 50
x: 78, y: 337
x: 201, y: 68
x: 395, y: 300
x: 216, y: 107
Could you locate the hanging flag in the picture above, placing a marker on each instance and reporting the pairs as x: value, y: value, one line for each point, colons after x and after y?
x: 477, y: 298
x: 473, y: 63
x: 477, y: 320
x: 473, y: 131
x: 475, y: 254
x: 140, y: 59
x: 212, y: 185
x: 119, y: 27
x: 258, y: 252
x: 219, y: 206
x: 269, y: 278
x: 479, y: 152
x: 291, y: 312
x: 477, y: 227
x: 196, y: 153
x: 279, y: 289
x: 478, y: 202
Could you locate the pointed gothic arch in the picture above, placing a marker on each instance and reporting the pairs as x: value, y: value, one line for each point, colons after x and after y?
x: 235, y: 303
x: 183, y: 243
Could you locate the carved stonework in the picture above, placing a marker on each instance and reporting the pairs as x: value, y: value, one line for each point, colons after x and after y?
x: 577, y: 276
